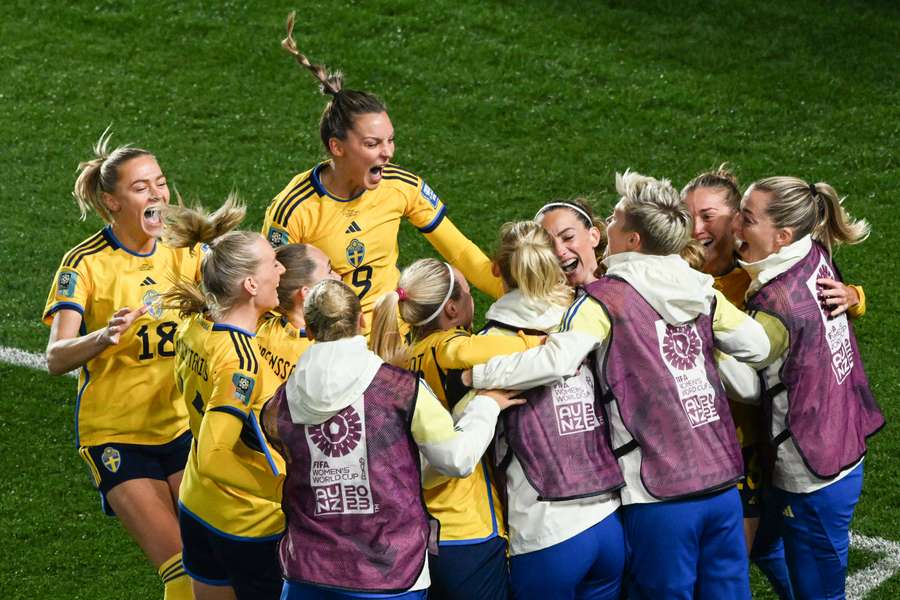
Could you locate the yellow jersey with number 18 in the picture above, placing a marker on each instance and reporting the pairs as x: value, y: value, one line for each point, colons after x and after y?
x: 126, y: 393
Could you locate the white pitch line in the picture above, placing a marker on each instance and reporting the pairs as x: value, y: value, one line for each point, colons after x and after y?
x: 21, y: 358
x: 859, y: 584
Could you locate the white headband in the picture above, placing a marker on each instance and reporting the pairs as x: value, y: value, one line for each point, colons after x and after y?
x: 580, y: 211
x: 447, y: 297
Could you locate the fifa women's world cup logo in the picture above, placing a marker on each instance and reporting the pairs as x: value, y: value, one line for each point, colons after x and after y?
x: 681, y: 346
x: 339, y: 435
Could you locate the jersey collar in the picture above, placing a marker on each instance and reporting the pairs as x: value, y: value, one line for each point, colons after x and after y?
x: 320, y: 189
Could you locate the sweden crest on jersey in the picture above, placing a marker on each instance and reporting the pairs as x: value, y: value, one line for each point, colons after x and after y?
x: 153, y: 301
x: 356, y: 252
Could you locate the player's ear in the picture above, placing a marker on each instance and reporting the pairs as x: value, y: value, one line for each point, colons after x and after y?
x: 495, y: 270
x: 111, y: 202
x: 361, y: 323
x: 595, y: 236
x: 250, y: 286
x: 336, y: 147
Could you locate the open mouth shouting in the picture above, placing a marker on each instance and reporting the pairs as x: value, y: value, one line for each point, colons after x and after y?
x: 376, y: 173
x: 153, y: 215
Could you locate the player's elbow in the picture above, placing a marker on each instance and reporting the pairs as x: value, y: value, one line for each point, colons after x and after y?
x: 55, y: 363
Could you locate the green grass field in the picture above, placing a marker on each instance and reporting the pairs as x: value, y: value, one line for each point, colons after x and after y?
x: 501, y: 106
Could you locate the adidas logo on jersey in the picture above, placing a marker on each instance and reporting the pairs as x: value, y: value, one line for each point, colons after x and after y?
x: 354, y: 227
x: 148, y: 281
x: 787, y: 511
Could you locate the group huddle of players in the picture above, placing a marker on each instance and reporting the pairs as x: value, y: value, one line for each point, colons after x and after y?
x: 655, y: 399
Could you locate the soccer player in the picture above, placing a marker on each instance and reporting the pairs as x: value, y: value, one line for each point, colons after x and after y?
x: 554, y: 453
x: 106, y: 319
x: 351, y: 205
x: 579, y: 243
x: 714, y: 200
x: 435, y: 301
x: 352, y: 427
x: 654, y: 323
x: 282, y: 335
x: 816, y: 397
x: 229, y: 506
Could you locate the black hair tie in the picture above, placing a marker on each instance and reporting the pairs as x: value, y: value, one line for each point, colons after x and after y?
x: 812, y: 190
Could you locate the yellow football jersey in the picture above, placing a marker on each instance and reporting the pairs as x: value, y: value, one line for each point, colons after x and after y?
x: 218, y: 370
x: 469, y: 509
x: 281, y: 345
x: 359, y: 234
x: 126, y: 393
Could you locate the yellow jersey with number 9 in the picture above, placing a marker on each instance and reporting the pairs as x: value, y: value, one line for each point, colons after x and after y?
x: 126, y: 393
x: 358, y: 234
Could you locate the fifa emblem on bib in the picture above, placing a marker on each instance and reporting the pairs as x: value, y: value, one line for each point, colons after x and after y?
x: 681, y: 346
x: 153, y: 301
x: 339, y: 435
x: 111, y: 459
x: 356, y: 253
x: 277, y: 237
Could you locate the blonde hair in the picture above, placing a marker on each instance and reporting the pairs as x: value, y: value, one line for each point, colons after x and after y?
x: 228, y: 260
x: 425, y: 285
x: 331, y: 311
x: 527, y: 262
x: 654, y: 209
x: 298, y: 270
x: 721, y: 179
x: 100, y: 174
x: 811, y: 209
x: 694, y: 254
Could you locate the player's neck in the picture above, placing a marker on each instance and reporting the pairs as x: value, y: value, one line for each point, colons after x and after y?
x: 245, y: 316
x: 337, y: 183
x: 720, y: 265
x: 139, y: 242
x: 296, y: 319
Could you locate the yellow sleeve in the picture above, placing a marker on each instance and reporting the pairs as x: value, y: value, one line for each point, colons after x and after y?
x: 459, y: 251
x: 278, y: 228
x: 220, y: 431
x: 587, y: 316
x: 778, y: 335
x: 431, y: 423
x: 464, y: 351
x: 858, y: 310
x: 71, y: 289
x: 727, y: 316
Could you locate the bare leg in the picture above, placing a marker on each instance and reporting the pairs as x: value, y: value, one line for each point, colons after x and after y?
x: 145, y: 509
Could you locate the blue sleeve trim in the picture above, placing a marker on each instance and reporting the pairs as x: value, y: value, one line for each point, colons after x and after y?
x: 262, y: 444
x: 571, y: 312
x: 64, y: 306
x: 435, y: 221
x: 231, y: 411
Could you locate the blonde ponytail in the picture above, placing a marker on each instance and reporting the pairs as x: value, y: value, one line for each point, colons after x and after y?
x: 100, y: 174
x: 385, y: 339
x: 811, y: 209
x: 527, y: 262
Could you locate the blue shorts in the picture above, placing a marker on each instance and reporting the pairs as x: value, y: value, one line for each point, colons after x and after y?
x: 112, y: 464
x: 687, y: 549
x: 249, y: 566
x: 464, y: 571
x: 294, y: 590
x: 588, y: 566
